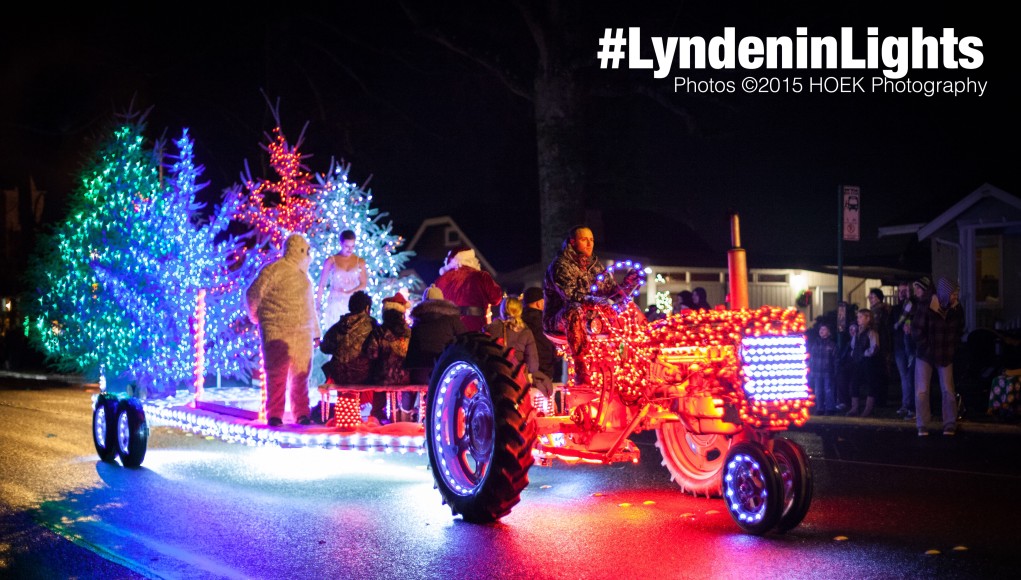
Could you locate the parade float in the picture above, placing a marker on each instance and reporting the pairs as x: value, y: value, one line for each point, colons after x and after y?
x: 718, y: 388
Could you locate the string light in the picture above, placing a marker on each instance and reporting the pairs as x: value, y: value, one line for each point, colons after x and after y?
x: 120, y: 279
x: 751, y: 360
x: 177, y: 413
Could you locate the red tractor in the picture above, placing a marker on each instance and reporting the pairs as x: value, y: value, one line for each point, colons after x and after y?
x: 717, y: 386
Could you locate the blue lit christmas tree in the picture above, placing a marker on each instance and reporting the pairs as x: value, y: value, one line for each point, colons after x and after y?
x: 342, y: 205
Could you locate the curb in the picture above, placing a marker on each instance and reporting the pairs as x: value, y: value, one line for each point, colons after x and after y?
x: 990, y: 426
x: 72, y: 379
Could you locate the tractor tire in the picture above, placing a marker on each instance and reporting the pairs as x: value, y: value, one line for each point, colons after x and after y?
x: 752, y: 488
x: 797, y: 481
x: 480, y: 428
x: 694, y: 460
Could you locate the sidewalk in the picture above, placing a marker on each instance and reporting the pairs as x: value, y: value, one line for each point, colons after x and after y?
x: 975, y: 421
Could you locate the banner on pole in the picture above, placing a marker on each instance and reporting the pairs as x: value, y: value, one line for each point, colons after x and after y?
x: 852, y: 213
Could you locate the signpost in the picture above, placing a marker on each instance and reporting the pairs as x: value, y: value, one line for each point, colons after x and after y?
x: 849, y: 216
x: 851, y: 204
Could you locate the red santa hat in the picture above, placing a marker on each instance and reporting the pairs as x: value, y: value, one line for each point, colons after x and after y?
x: 460, y: 256
x: 396, y: 302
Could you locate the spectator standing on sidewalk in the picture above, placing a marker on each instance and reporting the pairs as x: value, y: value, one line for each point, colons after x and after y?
x: 901, y: 314
x: 845, y: 367
x: 822, y: 363
x: 534, y: 303
x: 937, y: 328
x: 866, y: 368
x: 882, y: 323
x: 683, y: 301
x: 699, y: 299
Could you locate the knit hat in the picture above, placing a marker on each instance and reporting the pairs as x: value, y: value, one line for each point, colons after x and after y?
x: 460, y: 256
x: 533, y: 294
x: 396, y: 302
x: 432, y: 293
x: 944, y: 288
x: 924, y: 283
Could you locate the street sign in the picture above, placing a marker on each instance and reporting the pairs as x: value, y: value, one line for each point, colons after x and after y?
x: 852, y: 213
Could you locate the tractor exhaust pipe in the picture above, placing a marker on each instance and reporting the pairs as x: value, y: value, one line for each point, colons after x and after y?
x: 737, y: 267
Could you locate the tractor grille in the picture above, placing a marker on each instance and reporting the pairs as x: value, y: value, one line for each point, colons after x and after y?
x: 775, y: 368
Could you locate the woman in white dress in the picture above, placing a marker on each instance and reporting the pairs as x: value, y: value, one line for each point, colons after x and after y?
x: 344, y: 273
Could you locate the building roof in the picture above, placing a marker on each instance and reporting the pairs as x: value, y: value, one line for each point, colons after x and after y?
x: 986, y: 191
x: 926, y: 229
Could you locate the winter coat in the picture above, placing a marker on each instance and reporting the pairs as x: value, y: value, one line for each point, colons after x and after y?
x: 522, y: 341
x: 346, y: 342
x: 568, y: 282
x: 543, y: 347
x: 823, y: 356
x: 882, y: 322
x: 473, y: 291
x: 900, y: 314
x: 387, y: 348
x: 434, y: 324
x: 937, y: 332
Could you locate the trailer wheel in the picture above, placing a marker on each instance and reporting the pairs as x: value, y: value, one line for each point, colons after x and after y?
x: 480, y: 428
x: 694, y: 460
x: 797, y: 481
x: 132, y: 432
x: 104, y: 427
x: 752, y: 488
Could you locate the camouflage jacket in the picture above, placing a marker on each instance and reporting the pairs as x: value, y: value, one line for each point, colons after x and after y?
x: 569, y: 281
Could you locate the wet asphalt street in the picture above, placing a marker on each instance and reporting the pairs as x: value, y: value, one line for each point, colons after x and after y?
x: 887, y: 504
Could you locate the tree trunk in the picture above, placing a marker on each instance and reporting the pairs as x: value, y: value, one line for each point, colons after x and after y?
x: 560, y: 126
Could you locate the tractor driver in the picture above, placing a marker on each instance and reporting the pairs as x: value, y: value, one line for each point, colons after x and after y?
x: 572, y: 280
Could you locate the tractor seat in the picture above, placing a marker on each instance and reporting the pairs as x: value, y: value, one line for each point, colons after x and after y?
x: 556, y: 338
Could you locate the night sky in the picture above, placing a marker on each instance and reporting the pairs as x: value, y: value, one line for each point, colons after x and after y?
x: 433, y: 132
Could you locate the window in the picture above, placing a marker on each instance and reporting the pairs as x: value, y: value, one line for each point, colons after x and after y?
x: 773, y: 278
x: 705, y: 276
x: 987, y: 270
x: 452, y: 237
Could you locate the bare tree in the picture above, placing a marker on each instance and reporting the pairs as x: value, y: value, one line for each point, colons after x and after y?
x: 557, y: 81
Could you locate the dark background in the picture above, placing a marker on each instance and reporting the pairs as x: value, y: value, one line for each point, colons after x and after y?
x: 434, y: 131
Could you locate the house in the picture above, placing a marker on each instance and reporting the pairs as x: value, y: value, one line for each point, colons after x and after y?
x: 977, y: 241
x: 432, y: 240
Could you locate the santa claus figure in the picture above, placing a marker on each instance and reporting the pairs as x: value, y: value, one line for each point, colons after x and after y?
x: 463, y: 282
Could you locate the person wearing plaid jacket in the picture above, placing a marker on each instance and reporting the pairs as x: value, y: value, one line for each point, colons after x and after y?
x: 937, y: 329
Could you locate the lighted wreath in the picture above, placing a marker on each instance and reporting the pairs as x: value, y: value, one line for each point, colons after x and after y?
x: 804, y: 299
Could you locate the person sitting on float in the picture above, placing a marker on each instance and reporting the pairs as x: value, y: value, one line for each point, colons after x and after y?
x: 577, y: 278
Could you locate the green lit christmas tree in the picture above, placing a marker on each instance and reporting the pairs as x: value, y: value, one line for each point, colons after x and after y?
x: 118, y: 282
